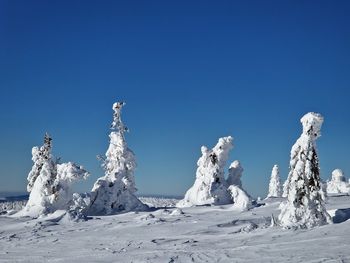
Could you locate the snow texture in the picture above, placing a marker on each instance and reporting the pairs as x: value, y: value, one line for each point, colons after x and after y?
x: 275, y: 185
x: 195, y: 234
x: 11, y: 207
x: 159, y: 202
x: 338, y: 183
x: 50, y: 182
x: 210, y: 186
x: 115, y: 192
x: 305, y: 206
x: 235, y: 172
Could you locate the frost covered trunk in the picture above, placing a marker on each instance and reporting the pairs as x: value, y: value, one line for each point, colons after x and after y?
x: 275, y: 185
x: 304, y: 207
x: 115, y: 191
x: 210, y: 186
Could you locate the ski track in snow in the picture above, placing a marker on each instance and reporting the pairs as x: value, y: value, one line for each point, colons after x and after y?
x: 200, y: 234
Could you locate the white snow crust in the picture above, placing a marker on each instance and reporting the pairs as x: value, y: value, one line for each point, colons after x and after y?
x: 197, y: 234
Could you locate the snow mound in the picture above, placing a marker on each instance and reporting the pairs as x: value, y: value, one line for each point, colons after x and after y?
x: 177, y: 212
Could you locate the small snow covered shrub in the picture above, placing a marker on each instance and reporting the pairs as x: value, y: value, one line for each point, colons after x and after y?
x: 49, y: 182
x: 275, y: 185
x: 338, y: 183
x: 210, y: 186
x: 305, y: 207
x: 115, y: 192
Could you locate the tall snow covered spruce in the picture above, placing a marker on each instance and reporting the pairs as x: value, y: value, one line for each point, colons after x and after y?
x: 305, y: 207
x: 210, y: 186
x: 49, y: 182
x: 275, y: 185
x: 115, y: 192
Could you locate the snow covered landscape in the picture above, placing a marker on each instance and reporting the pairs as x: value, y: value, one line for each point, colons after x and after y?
x: 216, y: 221
x: 168, y: 234
x: 174, y: 131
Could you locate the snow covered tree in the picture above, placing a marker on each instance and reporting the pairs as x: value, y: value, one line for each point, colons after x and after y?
x: 235, y: 172
x: 39, y: 157
x: 240, y: 198
x: 305, y: 207
x: 338, y: 183
x: 49, y: 182
x: 275, y: 185
x: 210, y: 186
x: 115, y: 192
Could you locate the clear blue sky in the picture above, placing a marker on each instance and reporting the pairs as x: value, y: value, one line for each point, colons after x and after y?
x: 190, y: 72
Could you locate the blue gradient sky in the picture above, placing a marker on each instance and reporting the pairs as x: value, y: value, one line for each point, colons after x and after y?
x: 190, y: 72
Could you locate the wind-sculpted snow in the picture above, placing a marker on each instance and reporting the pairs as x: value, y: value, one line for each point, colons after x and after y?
x: 81, y: 201
x: 195, y: 234
x: 210, y: 186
